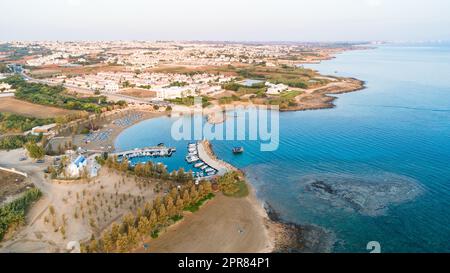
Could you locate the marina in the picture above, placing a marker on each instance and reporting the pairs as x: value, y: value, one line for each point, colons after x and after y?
x: 193, y: 157
x: 158, y: 151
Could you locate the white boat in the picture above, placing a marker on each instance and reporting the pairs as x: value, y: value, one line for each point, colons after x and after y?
x: 191, y: 159
x: 209, y: 170
x: 204, y: 167
x: 198, y: 165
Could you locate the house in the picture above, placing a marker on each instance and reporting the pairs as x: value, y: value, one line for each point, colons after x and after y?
x: 44, y: 129
x: 111, y: 87
x: 170, y: 92
x: 76, y: 167
x: 275, y: 89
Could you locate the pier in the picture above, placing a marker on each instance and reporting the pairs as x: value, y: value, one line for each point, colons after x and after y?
x: 157, y: 151
x: 211, y: 161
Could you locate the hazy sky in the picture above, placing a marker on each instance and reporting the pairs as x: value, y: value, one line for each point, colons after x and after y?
x: 251, y: 20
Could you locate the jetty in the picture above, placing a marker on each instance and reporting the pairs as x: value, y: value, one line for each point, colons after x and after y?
x: 157, y: 151
x: 211, y: 162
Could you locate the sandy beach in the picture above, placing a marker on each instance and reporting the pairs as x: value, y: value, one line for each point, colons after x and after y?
x: 224, y: 224
x: 114, y: 129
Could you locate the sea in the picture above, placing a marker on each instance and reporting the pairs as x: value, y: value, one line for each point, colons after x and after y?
x: 375, y: 168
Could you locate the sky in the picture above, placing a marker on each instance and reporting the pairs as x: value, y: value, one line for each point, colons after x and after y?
x: 231, y: 20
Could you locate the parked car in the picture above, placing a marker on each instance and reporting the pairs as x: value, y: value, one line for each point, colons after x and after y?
x: 40, y: 161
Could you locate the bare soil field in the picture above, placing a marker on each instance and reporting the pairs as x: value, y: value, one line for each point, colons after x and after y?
x: 138, y: 93
x: 15, y: 106
x: 11, y: 185
x: 223, y: 224
x: 49, y: 70
x: 74, y: 210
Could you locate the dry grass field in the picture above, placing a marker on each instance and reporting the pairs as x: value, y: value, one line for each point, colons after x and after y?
x: 138, y: 93
x: 12, y: 184
x: 24, y: 108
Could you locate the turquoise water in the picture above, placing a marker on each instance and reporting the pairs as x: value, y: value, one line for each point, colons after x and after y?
x: 398, y: 127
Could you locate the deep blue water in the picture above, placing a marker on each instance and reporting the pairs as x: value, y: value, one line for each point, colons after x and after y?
x: 399, y: 126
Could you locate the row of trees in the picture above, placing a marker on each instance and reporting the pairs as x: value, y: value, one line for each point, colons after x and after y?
x: 16, y: 123
x: 149, y: 220
x: 147, y: 170
x: 13, y: 214
x: 17, y: 141
x: 233, y: 184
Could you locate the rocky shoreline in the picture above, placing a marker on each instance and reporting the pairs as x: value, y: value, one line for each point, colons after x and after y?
x: 297, y: 238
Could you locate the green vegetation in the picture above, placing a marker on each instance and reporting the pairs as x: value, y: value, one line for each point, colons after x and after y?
x: 177, y: 83
x: 13, y: 214
x: 16, y: 53
x: 196, y: 206
x: 34, y: 150
x: 16, y: 123
x: 227, y: 100
x: 148, y: 170
x: 285, y: 99
x: 291, y: 76
x: 232, y: 184
x: 17, y: 141
x: 150, y: 220
x: 189, y: 101
x: 4, y: 68
x: 56, y: 96
x: 232, y: 86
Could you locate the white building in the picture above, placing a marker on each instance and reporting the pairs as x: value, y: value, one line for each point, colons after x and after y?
x: 75, y: 168
x: 171, y: 92
x: 275, y: 89
x: 111, y: 87
x: 44, y: 129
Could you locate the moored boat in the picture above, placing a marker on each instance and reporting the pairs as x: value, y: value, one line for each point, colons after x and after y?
x: 238, y: 150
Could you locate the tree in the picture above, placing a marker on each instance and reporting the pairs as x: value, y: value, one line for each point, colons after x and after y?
x: 122, y: 243
x: 186, y: 198
x: 179, y: 204
x: 144, y: 226
x: 162, y: 214
x: 34, y: 150
x: 153, y: 219
x: 193, y: 194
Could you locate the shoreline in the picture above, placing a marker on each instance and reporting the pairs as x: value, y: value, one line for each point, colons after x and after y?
x: 116, y: 130
x: 270, y: 233
x: 311, y: 99
x: 281, y: 235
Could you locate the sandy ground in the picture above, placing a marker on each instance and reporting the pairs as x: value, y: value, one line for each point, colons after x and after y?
x: 138, y: 93
x: 12, y: 185
x: 224, y: 224
x: 12, y: 105
x: 115, y: 131
x: 80, y: 209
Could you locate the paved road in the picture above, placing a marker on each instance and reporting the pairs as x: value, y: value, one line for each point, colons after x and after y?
x: 10, y: 159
